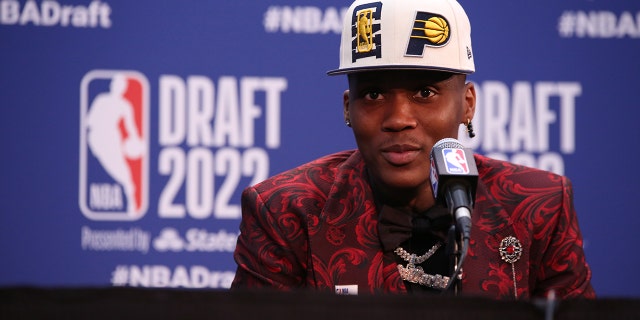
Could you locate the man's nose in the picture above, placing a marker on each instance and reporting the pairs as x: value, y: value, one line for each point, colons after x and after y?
x: 399, y: 114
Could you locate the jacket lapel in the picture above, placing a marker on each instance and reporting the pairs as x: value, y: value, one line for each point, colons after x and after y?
x: 346, y: 249
x: 485, y: 272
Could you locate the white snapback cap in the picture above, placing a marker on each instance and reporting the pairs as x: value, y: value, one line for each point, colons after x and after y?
x: 405, y: 34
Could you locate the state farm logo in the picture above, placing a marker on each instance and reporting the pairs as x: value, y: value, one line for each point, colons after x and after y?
x: 114, y: 145
x: 170, y: 240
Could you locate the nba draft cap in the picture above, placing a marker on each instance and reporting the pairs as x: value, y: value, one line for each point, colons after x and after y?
x: 405, y: 34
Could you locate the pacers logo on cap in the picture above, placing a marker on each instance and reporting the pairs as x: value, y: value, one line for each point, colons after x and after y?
x: 428, y: 30
x: 365, y: 27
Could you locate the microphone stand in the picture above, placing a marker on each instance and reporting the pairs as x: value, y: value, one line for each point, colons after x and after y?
x: 458, y: 238
x: 453, y: 250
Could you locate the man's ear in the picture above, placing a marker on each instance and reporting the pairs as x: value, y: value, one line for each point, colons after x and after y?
x: 345, y: 103
x: 469, y: 102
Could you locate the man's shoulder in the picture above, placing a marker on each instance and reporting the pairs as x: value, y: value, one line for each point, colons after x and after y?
x: 327, y: 164
x: 333, y: 160
x: 319, y: 172
x: 500, y: 171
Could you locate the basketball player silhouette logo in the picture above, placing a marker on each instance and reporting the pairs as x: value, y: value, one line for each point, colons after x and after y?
x: 456, y: 161
x: 114, y: 129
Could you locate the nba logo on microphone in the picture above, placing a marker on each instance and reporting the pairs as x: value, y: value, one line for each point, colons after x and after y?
x: 456, y: 161
x: 114, y: 145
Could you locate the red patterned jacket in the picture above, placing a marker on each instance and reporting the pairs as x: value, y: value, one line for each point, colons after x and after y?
x: 315, y: 226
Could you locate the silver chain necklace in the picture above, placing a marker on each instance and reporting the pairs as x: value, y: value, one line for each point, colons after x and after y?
x: 415, y: 274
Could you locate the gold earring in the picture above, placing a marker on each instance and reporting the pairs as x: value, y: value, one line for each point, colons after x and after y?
x: 470, y: 129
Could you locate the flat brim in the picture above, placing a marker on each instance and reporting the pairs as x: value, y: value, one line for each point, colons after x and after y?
x: 395, y: 67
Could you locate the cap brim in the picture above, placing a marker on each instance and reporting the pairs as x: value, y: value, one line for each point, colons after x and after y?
x: 395, y: 67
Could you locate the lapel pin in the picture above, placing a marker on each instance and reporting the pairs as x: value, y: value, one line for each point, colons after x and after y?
x: 510, y: 251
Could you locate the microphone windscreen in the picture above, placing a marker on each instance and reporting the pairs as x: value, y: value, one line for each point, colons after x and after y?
x: 448, y: 143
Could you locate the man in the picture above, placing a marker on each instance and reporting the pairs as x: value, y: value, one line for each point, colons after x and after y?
x: 366, y: 221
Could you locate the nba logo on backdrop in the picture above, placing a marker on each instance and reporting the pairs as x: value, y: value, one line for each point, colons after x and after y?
x: 456, y: 161
x: 114, y: 145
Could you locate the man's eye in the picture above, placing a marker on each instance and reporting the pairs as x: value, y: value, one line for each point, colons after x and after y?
x: 372, y: 95
x: 425, y: 93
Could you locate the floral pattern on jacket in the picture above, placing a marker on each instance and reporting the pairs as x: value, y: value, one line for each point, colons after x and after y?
x: 315, y: 226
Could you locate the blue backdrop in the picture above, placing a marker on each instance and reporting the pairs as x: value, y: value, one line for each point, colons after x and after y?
x: 219, y: 95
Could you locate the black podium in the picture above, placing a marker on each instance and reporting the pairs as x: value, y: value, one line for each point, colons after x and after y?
x: 130, y: 303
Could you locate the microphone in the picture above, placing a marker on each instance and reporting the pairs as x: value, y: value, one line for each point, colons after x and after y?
x: 454, y: 179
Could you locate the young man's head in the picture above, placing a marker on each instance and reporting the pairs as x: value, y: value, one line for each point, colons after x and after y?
x: 406, y: 62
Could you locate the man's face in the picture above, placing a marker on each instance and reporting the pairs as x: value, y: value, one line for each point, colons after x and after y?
x: 397, y: 117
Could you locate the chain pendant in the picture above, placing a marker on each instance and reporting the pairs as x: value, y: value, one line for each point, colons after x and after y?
x: 415, y: 274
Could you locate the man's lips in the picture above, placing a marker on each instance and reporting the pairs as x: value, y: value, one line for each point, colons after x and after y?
x: 400, y: 154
